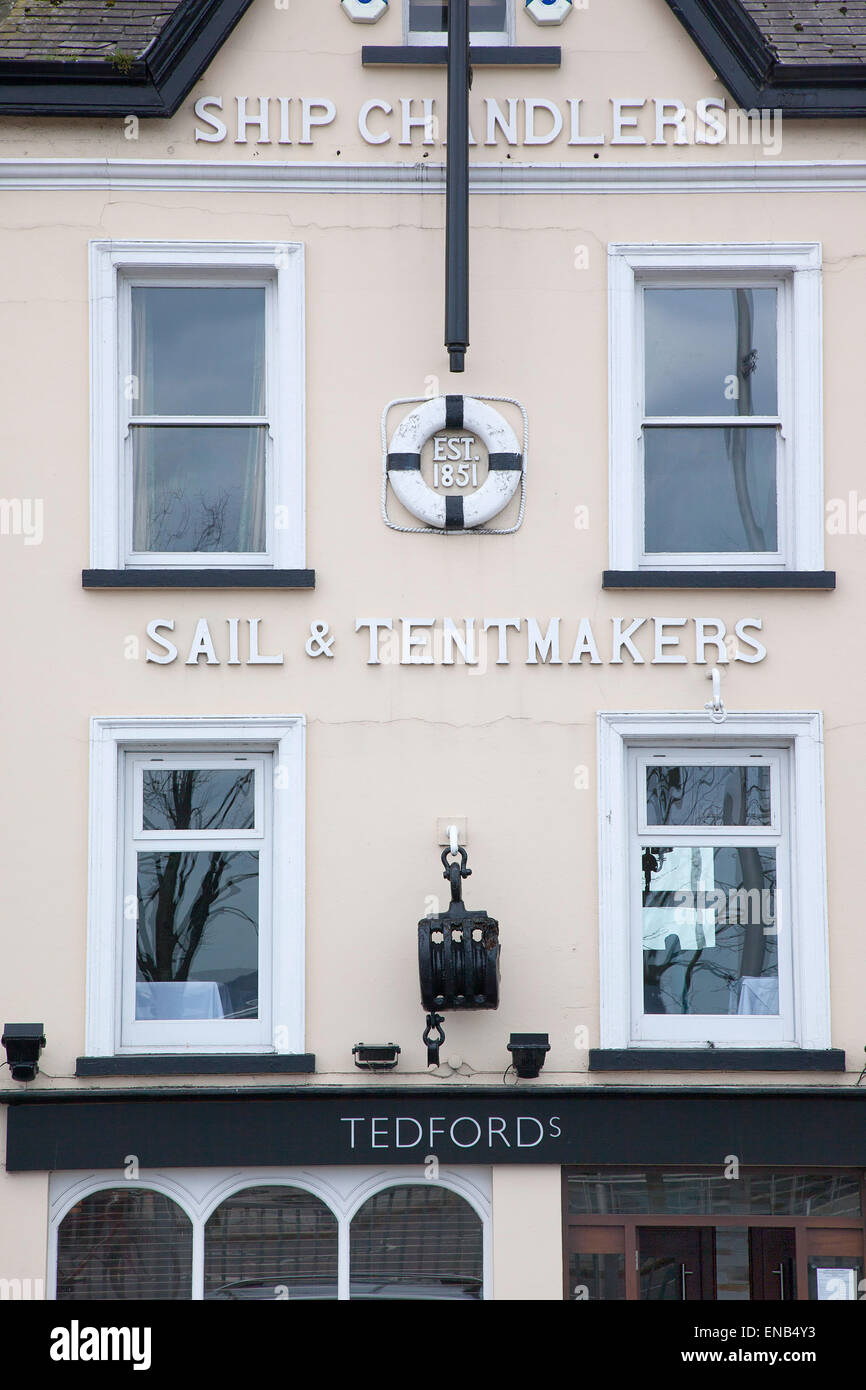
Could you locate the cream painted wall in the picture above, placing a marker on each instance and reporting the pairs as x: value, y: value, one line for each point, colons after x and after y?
x: 391, y: 749
x: 527, y: 1233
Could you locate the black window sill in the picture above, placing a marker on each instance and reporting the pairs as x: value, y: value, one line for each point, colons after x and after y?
x: 716, y: 1059
x: 481, y: 56
x: 211, y: 1064
x: 198, y: 579
x: 718, y: 579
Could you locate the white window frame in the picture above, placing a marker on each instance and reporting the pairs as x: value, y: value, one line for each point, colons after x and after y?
x: 114, y: 267
x: 795, y: 270
x: 137, y: 1034
x: 280, y: 1026
x: 199, y: 1191
x: 776, y: 1030
x: 804, y: 902
x: 486, y: 40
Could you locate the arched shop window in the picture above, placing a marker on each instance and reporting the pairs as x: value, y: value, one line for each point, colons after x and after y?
x: 271, y: 1243
x: 411, y: 1242
x: 290, y: 1236
x: 124, y: 1243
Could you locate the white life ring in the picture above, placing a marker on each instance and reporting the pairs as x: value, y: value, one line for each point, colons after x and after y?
x: 456, y: 513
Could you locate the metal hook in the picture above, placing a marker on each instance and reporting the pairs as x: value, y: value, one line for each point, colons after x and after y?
x: 434, y: 1025
x: 715, y: 707
x: 464, y: 872
x: 456, y: 873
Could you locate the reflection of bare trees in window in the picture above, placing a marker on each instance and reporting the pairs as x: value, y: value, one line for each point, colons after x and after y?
x: 681, y: 979
x: 178, y: 799
x: 737, y: 437
x: 716, y: 795
x: 183, y: 895
x: 170, y: 516
x: 175, y: 931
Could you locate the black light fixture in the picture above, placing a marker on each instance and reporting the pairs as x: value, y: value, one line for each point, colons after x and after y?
x: 23, y: 1043
x: 376, y: 1056
x: 528, y: 1051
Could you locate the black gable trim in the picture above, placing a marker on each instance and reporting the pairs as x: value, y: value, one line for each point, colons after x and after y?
x: 745, y: 62
x: 154, y: 86
x: 188, y: 44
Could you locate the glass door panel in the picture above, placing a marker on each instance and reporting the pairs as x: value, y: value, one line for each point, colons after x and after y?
x: 732, y: 1264
x: 773, y: 1268
x: 596, y: 1264
x: 676, y: 1264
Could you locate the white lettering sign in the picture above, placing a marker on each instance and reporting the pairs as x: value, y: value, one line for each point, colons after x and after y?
x: 501, y: 121
x: 465, y: 1132
x: 474, y: 641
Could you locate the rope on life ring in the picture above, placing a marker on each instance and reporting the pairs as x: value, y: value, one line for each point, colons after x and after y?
x: 454, y: 513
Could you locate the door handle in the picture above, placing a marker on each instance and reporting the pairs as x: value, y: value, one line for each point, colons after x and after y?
x: 685, y: 1275
x: 781, y: 1273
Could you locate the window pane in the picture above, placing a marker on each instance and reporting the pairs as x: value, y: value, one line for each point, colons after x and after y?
x: 694, y: 1194
x: 710, y: 351
x: 198, y: 351
x: 607, y: 1194
x: 661, y: 1278
x: 596, y: 1277
x: 271, y: 1243
x: 710, y: 489
x: 198, y: 935
x: 198, y: 489
x: 198, y: 799
x: 732, y: 1264
x: 708, y: 795
x: 709, y: 930
x: 431, y: 16
x: 124, y: 1244
x: 415, y: 1242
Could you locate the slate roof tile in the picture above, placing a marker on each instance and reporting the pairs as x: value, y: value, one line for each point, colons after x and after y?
x: 38, y: 30
x: 816, y: 32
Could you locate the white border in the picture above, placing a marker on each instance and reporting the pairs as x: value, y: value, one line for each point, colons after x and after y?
x: 801, y: 522
x: 731, y: 1030
x: 109, y: 738
x: 198, y: 1191
x: 293, y: 176
x: 138, y: 1035
x: 802, y: 732
x: 283, y: 261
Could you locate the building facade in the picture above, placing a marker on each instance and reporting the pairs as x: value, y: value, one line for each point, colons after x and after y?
x: 297, y: 618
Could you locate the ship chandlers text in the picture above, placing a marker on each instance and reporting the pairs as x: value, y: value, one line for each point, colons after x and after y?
x: 505, y: 122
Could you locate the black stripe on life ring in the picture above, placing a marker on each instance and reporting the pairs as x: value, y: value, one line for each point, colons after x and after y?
x: 453, y: 412
x: 505, y: 462
x: 403, y: 462
x: 454, y: 513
